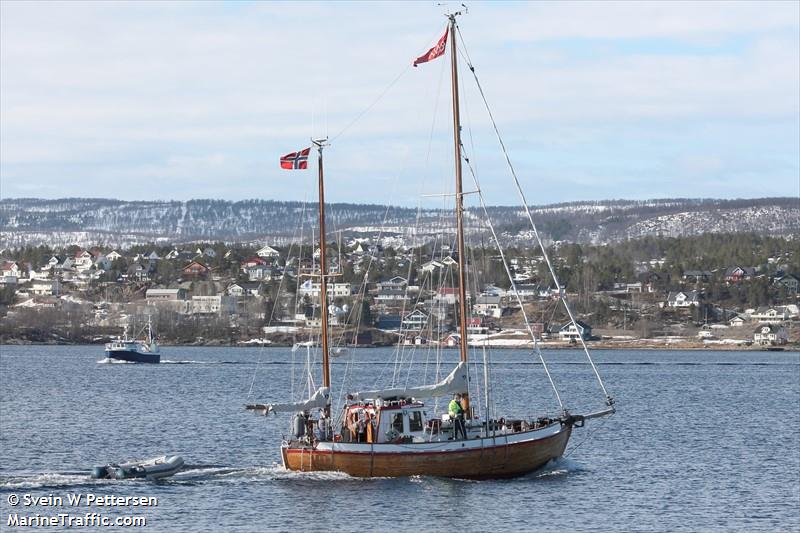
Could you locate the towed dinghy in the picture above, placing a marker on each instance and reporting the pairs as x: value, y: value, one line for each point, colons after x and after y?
x: 155, y: 468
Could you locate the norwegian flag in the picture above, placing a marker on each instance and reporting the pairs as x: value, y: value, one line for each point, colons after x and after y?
x: 296, y: 160
x: 434, y: 52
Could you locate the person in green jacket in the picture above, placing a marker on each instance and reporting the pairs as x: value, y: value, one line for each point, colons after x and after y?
x: 457, y: 416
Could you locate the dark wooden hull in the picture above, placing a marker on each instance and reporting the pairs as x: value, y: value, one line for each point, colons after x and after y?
x: 486, y: 458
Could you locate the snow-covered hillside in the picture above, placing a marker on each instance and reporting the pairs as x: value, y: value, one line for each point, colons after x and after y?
x: 85, y: 221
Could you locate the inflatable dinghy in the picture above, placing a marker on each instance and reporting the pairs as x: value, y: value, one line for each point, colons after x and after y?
x: 155, y: 468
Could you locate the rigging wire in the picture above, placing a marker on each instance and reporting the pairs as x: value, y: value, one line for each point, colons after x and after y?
x: 513, y: 284
x: 562, y: 294
x: 374, y: 102
x: 298, y: 229
x: 589, y: 435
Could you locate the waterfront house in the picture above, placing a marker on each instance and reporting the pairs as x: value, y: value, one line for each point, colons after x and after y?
x: 770, y: 315
x: 770, y: 335
x: 572, y: 332
x: 415, y: 320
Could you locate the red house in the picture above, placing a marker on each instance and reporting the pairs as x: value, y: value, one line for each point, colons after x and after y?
x: 195, y: 269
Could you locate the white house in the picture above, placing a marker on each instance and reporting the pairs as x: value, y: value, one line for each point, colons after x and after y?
x: 432, y: 266
x: 45, y: 287
x: 165, y: 295
x: 737, y: 322
x: 415, y: 320
x: 770, y: 335
x: 268, y: 252
x: 239, y: 290
x: 683, y: 299
x: 397, y: 282
x: 11, y: 272
x: 83, y: 261
x: 569, y: 331
x: 259, y: 273
x: 311, y: 289
x: 494, y: 290
x: 488, y: 305
x: 215, y: 305
x: 770, y: 315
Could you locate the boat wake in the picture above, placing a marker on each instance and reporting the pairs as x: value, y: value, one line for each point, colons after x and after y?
x: 202, y: 474
x: 556, y: 469
x: 111, y: 361
x: 194, y: 362
x: 48, y: 480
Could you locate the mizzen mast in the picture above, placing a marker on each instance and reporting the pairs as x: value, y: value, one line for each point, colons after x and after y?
x: 323, y: 271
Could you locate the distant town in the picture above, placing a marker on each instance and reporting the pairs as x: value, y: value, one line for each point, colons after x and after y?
x: 706, y: 291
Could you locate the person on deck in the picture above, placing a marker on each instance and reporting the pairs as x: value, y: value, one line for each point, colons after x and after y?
x: 457, y: 416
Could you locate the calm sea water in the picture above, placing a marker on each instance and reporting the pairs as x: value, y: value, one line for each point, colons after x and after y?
x: 703, y: 441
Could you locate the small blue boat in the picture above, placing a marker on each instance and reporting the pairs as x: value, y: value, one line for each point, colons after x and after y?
x: 133, y: 350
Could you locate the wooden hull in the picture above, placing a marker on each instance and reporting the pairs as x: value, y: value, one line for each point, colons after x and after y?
x: 485, y: 458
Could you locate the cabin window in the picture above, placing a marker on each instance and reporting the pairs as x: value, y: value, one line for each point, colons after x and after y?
x: 397, y: 422
x: 415, y: 421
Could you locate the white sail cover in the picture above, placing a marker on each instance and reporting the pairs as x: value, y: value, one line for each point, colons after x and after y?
x: 455, y: 382
x: 318, y: 400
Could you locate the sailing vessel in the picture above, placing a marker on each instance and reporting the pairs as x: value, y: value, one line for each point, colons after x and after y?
x: 388, y: 432
x: 134, y: 350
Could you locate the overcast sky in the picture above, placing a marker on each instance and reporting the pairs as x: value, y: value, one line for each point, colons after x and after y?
x: 595, y: 101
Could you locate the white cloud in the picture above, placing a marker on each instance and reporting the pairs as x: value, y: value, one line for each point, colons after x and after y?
x: 211, y: 91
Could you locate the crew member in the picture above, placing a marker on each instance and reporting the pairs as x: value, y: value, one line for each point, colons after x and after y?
x: 457, y: 416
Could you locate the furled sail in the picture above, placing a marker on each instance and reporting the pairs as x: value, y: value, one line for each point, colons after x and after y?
x: 455, y: 382
x: 318, y: 400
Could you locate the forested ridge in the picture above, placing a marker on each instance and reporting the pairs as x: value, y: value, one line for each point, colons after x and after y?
x: 91, y: 220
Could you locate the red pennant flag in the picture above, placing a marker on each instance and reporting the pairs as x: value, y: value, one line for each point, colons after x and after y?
x: 434, y: 52
x: 296, y: 160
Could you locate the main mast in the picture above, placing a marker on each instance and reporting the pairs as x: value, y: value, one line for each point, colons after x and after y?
x: 462, y: 254
x: 323, y: 271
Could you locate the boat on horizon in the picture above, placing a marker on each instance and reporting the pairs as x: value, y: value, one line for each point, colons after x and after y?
x: 389, y: 432
x: 133, y: 350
